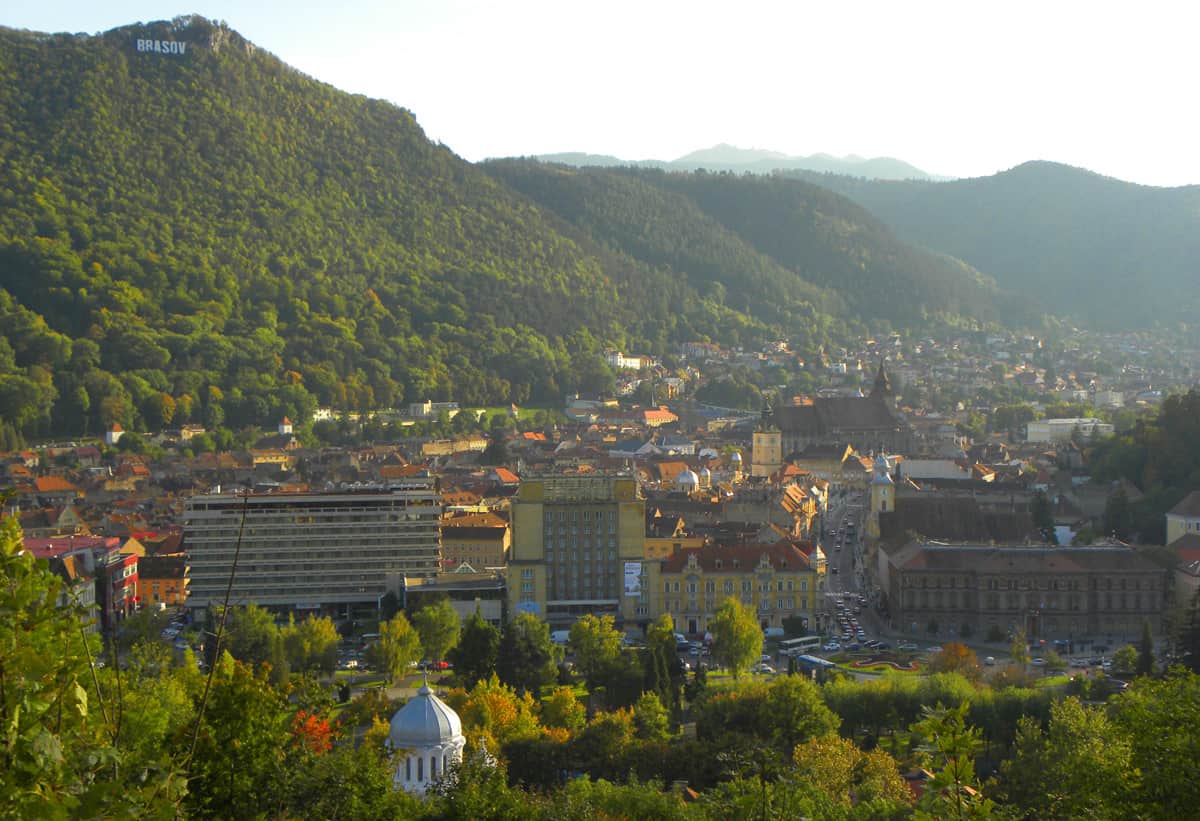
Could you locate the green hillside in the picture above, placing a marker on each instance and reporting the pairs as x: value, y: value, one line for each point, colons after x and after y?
x: 630, y: 213
x: 213, y: 236
x: 191, y: 230
x: 790, y: 243
x: 1103, y: 251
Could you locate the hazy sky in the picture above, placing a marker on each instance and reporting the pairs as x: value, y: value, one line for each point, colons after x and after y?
x: 961, y: 88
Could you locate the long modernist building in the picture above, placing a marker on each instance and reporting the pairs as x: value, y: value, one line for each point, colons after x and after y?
x: 329, y: 552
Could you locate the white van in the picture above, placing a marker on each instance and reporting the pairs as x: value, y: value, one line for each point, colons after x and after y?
x: 560, y: 637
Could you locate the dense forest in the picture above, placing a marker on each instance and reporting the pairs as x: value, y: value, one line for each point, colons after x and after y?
x: 792, y: 245
x: 212, y: 236
x: 1073, y: 239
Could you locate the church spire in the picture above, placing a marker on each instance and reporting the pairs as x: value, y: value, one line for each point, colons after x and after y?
x: 882, y: 389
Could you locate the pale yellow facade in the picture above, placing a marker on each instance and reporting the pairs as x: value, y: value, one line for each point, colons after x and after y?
x: 578, y: 547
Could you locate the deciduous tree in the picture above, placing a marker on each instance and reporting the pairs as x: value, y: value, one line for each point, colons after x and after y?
x: 397, y: 647
x: 737, y: 638
x: 595, y: 644
x: 1081, y: 767
x: 438, y: 625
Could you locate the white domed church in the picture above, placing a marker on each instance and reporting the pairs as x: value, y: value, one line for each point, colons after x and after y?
x: 429, y: 734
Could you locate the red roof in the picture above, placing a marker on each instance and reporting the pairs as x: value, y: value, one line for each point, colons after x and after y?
x: 53, y: 484
x: 507, y: 477
x: 745, y: 557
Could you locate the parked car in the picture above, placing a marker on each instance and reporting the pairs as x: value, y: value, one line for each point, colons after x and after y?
x: 1038, y: 662
x: 908, y: 647
x: 990, y: 661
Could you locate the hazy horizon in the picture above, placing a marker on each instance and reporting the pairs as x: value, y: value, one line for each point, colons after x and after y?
x: 960, y: 90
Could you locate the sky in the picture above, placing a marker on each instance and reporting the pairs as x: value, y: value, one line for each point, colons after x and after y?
x: 964, y: 88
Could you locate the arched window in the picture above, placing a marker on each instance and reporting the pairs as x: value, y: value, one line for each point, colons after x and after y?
x: 420, y: 768
x: 433, y: 762
x: 408, y: 768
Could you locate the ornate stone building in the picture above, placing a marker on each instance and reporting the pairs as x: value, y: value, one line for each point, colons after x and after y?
x: 1053, y: 592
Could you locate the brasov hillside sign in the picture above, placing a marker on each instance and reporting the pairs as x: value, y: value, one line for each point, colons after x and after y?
x: 161, y: 46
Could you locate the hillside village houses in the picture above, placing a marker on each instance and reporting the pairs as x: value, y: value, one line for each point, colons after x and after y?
x: 625, y: 509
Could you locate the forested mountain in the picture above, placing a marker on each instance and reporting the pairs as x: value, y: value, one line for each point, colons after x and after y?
x: 191, y: 230
x: 757, y: 161
x: 208, y: 234
x: 1103, y: 251
x: 789, y: 241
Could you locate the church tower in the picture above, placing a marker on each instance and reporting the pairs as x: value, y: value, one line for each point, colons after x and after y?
x: 883, y: 496
x: 428, y: 735
x: 766, y: 454
x: 882, y: 388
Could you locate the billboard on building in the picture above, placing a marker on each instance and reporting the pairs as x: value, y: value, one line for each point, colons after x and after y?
x: 633, y: 579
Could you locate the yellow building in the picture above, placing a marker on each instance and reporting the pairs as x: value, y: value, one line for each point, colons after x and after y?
x: 481, y: 540
x: 578, y: 544
x: 778, y: 581
x: 1184, y: 518
x: 163, y: 580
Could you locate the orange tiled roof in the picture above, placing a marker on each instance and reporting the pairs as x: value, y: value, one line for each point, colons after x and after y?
x: 53, y: 484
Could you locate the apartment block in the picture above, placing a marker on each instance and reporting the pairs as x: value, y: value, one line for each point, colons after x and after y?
x: 328, y: 552
x: 578, y: 547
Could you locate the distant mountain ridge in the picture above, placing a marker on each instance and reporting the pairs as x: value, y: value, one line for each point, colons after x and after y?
x: 794, y: 244
x: 726, y: 157
x: 1097, y: 249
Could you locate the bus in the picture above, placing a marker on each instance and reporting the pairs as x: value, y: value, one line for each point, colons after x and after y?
x: 800, y: 646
